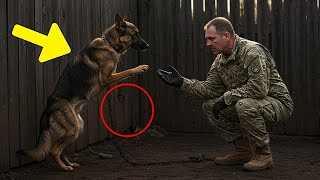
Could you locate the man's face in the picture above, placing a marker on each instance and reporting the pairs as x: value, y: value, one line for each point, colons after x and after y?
x: 216, y: 40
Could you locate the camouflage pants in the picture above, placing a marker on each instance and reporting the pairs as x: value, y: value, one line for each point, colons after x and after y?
x: 248, y: 117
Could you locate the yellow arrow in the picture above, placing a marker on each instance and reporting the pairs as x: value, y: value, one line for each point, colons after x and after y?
x: 54, y: 45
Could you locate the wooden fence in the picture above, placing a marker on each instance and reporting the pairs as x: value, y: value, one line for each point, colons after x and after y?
x: 174, y: 30
x: 290, y: 30
x: 26, y: 83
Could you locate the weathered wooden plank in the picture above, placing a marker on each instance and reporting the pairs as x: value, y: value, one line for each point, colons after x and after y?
x: 198, y: 57
x: 187, y: 66
x: 164, y: 46
x: 221, y: 8
x: 40, y: 100
x: 290, y: 58
x: 249, y: 27
x: 277, y: 34
x: 235, y: 15
x: 263, y: 22
x: 312, y: 45
x: 23, y: 87
x: 30, y: 121
x: 297, y: 65
x: 27, y: 126
x: 4, y: 106
x: 13, y: 84
x: 303, y: 113
x: 314, y: 65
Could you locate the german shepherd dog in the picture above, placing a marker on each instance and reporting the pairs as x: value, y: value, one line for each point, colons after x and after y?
x: 82, y: 80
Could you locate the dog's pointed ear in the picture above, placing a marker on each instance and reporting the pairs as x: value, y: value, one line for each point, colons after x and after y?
x: 119, y: 21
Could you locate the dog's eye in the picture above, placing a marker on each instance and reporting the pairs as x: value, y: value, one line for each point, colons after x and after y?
x: 135, y: 34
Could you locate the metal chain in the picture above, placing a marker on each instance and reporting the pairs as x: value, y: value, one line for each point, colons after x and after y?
x: 110, y: 109
x: 113, y: 126
x: 199, y: 159
x: 124, y: 157
x: 127, y: 160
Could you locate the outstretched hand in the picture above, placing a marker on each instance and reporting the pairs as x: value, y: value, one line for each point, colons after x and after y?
x: 172, y: 78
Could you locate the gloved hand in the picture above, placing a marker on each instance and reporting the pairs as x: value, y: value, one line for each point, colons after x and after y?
x: 218, y: 106
x: 172, y: 78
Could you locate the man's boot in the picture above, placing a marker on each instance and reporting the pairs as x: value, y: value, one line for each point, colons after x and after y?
x: 261, y: 160
x: 241, y: 154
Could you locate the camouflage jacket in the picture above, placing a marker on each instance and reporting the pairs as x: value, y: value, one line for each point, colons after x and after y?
x: 249, y: 72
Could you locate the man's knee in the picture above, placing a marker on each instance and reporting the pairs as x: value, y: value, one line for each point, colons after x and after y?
x: 244, y: 104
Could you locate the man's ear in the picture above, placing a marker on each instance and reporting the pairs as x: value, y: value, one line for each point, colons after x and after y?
x: 119, y: 21
x: 227, y: 35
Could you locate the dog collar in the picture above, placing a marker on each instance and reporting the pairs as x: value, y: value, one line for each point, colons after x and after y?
x: 105, y: 39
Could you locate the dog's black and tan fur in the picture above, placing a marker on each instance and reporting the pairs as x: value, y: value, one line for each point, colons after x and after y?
x: 81, y: 81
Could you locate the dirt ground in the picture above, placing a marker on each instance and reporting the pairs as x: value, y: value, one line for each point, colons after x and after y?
x: 179, y: 156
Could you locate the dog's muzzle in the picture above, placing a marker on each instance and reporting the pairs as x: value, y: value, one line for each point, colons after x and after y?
x: 140, y: 45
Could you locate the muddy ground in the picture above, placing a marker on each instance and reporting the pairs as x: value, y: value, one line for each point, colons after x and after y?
x: 179, y: 156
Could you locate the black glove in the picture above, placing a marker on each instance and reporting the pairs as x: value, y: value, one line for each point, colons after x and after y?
x: 218, y: 106
x: 172, y: 78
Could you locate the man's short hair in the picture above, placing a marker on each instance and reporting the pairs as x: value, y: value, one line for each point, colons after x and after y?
x: 221, y: 24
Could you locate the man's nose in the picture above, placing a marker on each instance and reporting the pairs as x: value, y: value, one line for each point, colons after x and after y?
x: 209, y: 43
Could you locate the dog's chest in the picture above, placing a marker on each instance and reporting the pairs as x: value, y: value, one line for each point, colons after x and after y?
x: 95, y: 88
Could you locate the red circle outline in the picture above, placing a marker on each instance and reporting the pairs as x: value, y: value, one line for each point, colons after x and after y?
x: 126, y: 135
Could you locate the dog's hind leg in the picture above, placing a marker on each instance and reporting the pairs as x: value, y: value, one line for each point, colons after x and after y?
x: 65, y: 125
x: 58, y: 148
x: 63, y: 156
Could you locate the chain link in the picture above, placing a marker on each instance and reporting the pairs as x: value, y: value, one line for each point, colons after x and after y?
x: 121, y: 97
x: 198, y: 159
x: 110, y: 109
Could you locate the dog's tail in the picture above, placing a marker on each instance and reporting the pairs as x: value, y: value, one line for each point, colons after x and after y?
x: 42, y: 147
x: 44, y: 142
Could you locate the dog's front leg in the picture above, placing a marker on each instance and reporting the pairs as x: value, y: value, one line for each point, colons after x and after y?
x: 116, y: 77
